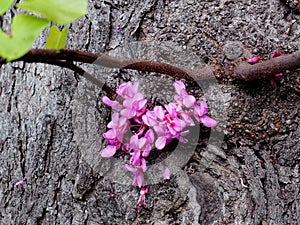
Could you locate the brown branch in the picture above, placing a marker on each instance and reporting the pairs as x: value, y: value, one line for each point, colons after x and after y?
x: 267, y: 69
x: 44, y: 55
x: 243, y: 71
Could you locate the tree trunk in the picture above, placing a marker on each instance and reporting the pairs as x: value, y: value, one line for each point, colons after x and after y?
x: 52, y: 124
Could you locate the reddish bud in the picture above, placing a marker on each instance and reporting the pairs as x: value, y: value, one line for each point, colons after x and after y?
x: 254, y: 60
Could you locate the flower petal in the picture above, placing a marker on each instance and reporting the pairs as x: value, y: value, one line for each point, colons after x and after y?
x: 130, y: 169
x: 138, y: 179
x: 110, y: 134
x: 208, y: 122
x: 178, y: 85
x: 189, y: 101
x: 135, y: 158
x: 149, y: 119
x: 128, y: 113
x: 159, y: 112
x: 112, y: 104
x: 166, y: 173
x: 254, y: 60
x: 160, y: 130
x: 142, y: 142
x: 204, y: 107
x: 143, y: 165
x: 149, y: 135
x: 109, y: 151
x: 160, y: 142
x: 146, y: 151
x: 278, y: 75
x: 134, y: 142
x: 275, y: 54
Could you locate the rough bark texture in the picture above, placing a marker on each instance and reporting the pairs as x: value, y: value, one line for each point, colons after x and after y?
x: 51, y: 125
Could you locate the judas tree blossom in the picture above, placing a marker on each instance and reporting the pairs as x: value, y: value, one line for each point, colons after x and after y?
x: 137, y: 130
x: 142, y: 198
x: 111, y: 103
x: 182, y: 97
x: 166, y: 173
x: 21, y: 182
x: 114, y: 136
x: 140, y: 148
x: 254, y: 60
x: 200, y: 112
x: 128, y: 90
x: 134, y: 106
x: 276, y: 54
x: 278, y: 75
x: 166, y: 123
x: 138, y: 172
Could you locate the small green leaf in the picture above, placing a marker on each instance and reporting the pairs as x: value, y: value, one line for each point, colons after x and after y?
x: 58, y: 11
x: 57, y: 39
x: 25, y: 29
x: 4, y: 5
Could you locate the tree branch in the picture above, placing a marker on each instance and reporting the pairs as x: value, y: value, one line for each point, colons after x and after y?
x: 244, y: 71
x: 44, y: 55
x: 267, y: 69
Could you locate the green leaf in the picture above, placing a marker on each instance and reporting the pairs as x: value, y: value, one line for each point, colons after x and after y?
x: 4, y: 5
x: 25, y: 29
x: 57, y: 39
x: 59, y: 11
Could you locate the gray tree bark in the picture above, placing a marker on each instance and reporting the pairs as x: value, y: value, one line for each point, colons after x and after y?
x: 52, y: 125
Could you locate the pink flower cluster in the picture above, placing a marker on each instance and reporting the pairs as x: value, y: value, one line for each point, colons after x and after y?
x: 136, y: 129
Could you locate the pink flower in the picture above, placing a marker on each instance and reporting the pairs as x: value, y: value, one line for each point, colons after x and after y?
x: 276, y: 54
x: 110, y: 103
x: 186, y: 116
x: 114, y: 136
x: 134, y: 106
x: 172, y: 121
x: 150, y: 118
x: 138, y: 172
x: 182, y: 97
x: 136, y: 129
x: 127, y: 90
x: 166, y: 173
x: 161, y: 142
x: 278, y: 75
x: 141, y: 149
x: 149, y: 135
x: 254, y: 60
x: 134, y: 103
x: 168, y: 124
x: 108, y: 151
x: 200, y: 115
x: 142, y: 198
x: 21, y: 182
